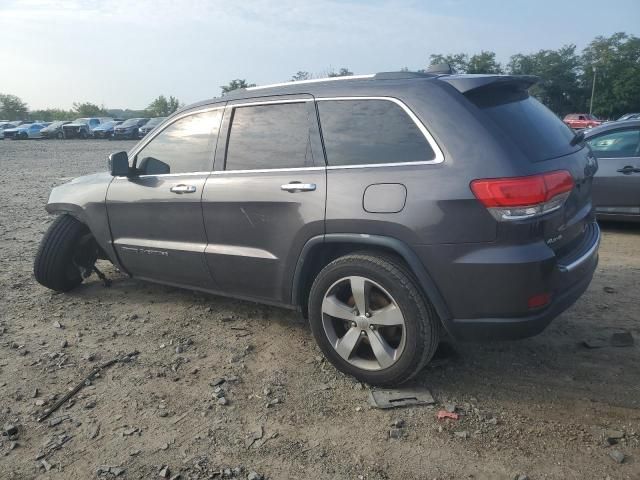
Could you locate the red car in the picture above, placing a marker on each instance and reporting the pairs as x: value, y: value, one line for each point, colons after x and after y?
x: 581, y: 120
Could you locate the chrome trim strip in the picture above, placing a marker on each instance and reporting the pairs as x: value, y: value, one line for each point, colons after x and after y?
x: 576, y: 263
x: 161, y: 175
x: 142, y: 243
x: 439, y: 156
x: 313, y: 80
x: 267, y: 102
x: 238, y: 251
x: 155, y: 132
x: 267, y: 170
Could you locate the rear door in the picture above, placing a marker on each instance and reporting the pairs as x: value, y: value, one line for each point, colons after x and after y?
x: 156, y: 218
x: 616, y: 187
x: 266, y: 197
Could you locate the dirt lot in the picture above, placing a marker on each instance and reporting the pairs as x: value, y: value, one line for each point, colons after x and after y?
x: 541, y: 407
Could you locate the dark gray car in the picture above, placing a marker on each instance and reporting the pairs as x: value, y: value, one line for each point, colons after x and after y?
x: 388, y: 208
x: 616, y: 187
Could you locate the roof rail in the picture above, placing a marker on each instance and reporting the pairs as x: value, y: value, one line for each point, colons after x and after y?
x: 315, y: 80
x: 401, y: 75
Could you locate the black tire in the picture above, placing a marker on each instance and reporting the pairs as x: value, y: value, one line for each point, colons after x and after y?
x: 421, y: 321
x: 83, y: 134
x: 59, y: 135
x: 54, y: 266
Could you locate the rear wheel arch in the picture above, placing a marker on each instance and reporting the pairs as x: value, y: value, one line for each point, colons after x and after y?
x: 321, y: 250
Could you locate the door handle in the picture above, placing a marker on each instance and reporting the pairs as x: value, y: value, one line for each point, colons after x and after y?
x: 183, y: 188
x: 294, y: 187
x: 628, y: 169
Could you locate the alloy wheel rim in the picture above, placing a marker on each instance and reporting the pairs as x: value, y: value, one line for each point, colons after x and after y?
x: 363, y: 323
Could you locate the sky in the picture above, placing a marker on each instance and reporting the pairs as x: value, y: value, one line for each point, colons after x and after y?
x: 124, y: 53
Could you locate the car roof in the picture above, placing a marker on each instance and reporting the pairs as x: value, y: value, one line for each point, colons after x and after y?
x: 354, y: 84
x: 605, y: 127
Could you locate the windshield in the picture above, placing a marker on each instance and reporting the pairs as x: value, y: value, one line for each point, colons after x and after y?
x: 81, y: 120
x: 131, y: 122
x: 532, y: 126
x: 56, y: 124
x: 106, y: 125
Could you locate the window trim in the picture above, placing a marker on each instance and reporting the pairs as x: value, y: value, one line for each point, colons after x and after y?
x: 439, y: 156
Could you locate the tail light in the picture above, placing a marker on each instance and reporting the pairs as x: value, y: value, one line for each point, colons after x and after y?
x: 518, y: 198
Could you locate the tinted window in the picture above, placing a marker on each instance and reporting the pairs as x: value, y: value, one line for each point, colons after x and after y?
x: 532, y: 126
x: 622, y: 143
x: 358, y: 132
x: 270, y: 136
x: 187, y: 144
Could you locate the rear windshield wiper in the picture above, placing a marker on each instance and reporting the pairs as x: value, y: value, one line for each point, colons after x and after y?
x: 577, y: 138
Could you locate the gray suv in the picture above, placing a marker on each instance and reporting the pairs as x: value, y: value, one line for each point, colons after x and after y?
x: 388, y: 208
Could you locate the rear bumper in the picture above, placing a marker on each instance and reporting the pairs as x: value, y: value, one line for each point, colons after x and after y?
x: 487, y: 288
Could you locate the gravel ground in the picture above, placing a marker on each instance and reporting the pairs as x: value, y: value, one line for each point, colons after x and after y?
x: 542, y: 408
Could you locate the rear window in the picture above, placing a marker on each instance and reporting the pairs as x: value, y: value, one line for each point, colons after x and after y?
x: 532, y: 126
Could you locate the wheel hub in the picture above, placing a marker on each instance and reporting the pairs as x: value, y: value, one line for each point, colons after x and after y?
x: 363, y: 323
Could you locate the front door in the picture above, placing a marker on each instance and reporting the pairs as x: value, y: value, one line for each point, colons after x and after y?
x: 616, y: 186
x: 156, y: 217
x: 266, y: 197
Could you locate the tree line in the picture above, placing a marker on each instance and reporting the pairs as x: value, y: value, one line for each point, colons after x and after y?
x: 567, y: 79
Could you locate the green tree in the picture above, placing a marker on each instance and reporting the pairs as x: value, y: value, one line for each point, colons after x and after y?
x: 301, y: 75
x: 12, y: 107
x: 483, y: 62
x: 458, y: 61
x: 235, y: 85
x: 616, y: 60
x: 559, y: 87
x: 163, y: 106
x: 343, y: 72
x: 51, y: 114
x: 88, y: 109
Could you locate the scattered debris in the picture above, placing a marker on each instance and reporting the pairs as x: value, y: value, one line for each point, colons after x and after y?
x: 398, y: 423
x: 594, y: 343
x: 400, y: 398
x: 613, y: 436
x: 79, y: 386
x: 450, y: 407
x: 254, y: 476
x: 609, y: 289
x: 396, y: 433
x: 462, y: 434
x: 444, y: 414
x: 617, y: 455
x: 9, y: 430
x: 164, y: 472
x: 254, y: 436
x: 47, y: 466
x: 107, y: 470
x: 57, y: 324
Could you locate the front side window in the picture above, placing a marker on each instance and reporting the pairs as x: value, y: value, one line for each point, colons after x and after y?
x: 358, y: 132
x: 623, y: 143
x: 186, y: 145
x: 270, y: 136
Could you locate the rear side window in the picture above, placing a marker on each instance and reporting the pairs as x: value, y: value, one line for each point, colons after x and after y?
x: 187, y: 144
x: 619, y: 144
x: 270, y: 136
x: 532, y: 126
x: 359, y: 132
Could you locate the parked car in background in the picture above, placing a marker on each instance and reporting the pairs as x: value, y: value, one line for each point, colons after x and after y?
x: 629, y: 116
x: 334, y: 197
x: 54, y: 130
x: 616, y: 186
x: 105, y: 130
x: 25, y: 131
x: 6, y: 126
x: 129, y: 128
x: 83, y: 127
x: 578, y: 121
x: 150, y: 125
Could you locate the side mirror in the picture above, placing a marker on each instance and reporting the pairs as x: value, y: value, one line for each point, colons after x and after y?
x: 153, y: 166
x: 119, y: 164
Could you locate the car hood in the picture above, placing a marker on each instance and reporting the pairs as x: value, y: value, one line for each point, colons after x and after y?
x: 75, y: 125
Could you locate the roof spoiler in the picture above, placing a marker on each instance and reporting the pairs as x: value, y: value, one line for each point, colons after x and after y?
x: 468, y: 83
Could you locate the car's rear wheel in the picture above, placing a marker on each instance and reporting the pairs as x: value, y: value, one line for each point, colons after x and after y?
x: 66, y: 251
x: 59, y: 135
x: 371, y: 320
x: 83, y: 134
